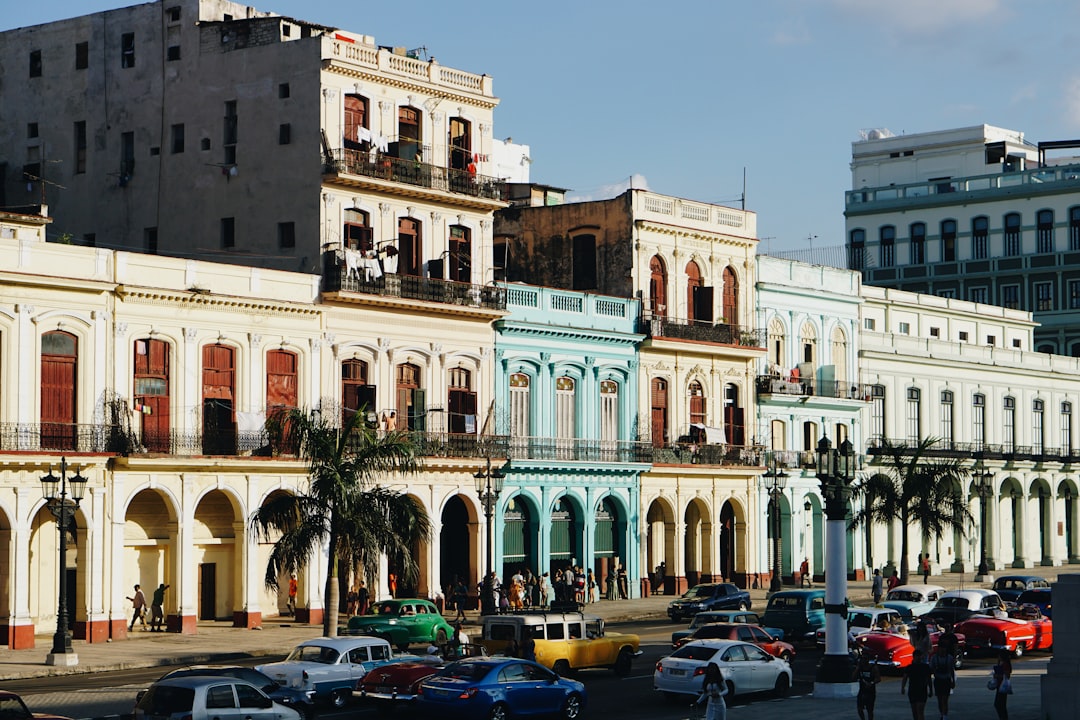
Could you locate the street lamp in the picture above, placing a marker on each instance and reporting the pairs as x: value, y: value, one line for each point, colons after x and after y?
x: 489, y: 484
x: 984, y: 486
x: 835, y: 472
x: 775, y: 480
x: 63, y: 509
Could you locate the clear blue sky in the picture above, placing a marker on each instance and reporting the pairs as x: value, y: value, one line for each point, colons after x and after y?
x: 685, y: 94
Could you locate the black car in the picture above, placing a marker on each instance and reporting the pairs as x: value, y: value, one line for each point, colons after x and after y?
x: 289, y: 697
x: 708, y: 596
x: 1009, y: 587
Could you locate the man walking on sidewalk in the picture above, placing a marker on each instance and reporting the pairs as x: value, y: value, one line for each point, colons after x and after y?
x: 157, y: 615
x: 138, y: 604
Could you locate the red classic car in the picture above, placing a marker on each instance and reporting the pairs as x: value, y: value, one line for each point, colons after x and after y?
x: 752, y: 634
x: 1026, y: 628
x: 399, y: 683
x: 891, y: 649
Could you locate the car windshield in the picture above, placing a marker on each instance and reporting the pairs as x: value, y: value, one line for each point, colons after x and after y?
x: 1032, y: 596
x: 953, y: 602
x: 778, y: 602
x: 13, y: 709
x: 694, y: 652
x: 700, y: 591
x: 703, y: 619
x: 167, y: 699
x: 904, y: 596
x: 862, y: 621
x: 314, y: 653
x: 713, y: 631
x: 466, y: 671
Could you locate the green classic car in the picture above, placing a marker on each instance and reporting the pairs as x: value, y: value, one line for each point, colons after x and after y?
x: 403, y: 622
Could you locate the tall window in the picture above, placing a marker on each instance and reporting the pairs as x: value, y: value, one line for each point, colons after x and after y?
x: 462, y: 402
x: 914, y: 415
x: 657, y: 287
x: 584, y: 262
x: 948, y: 240
x: 839, y: 353
x: 357, y: 230
x: 978, y: 420
x: 409, y: 255
x: 1038, y: 440
x: 1044, y: 296
x: 658, y: 402
x: 1010, y: 296
x: 980, y: 231
x: 459, y: 257
x: 1074, y: 294
x: 80, y: 147
x: 356, y: 392
x: 1009, y: 424
x: 127, y: 50
x: 151, y: 392
x: 460, y: 143
x: 978, y: 295
x: 609, y: 410
x: 877, y: 412
x: 520, y: 419
x: 565, y: 407
x: 947, y: 432
x: 697, y: 403
x: 411, y: 408
x: 777, y: 345
x: 230, y: 132
x: 409, y: 137
x: 177, y: 139
x: 357, y: 134
x: 1012, y: 234
x: 888, y: 245
x: 730, y: 299
x: 1066, y: 428
x: 918, y: 243
x: 282, y: 384
x: 693, y: 284
x: 1074, y: 228
x: 219, y: 400
x: 857, y: 250
x: 1044, y: 231
x: 82, y: 55
x: 59, y: 372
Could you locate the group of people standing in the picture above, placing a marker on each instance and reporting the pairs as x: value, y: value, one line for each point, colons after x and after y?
x: 525, y: 589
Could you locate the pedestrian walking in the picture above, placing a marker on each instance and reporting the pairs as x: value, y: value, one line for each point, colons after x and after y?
x: 925, y: 568
x: 545, y: 590
x: 138, y: 604
x: 876, y: 586
x: 290, y: 604
x: 624, y: 586
x: 917, y: 683
x: 943, y: 667
x: 157, y: 613
x: 804, y: 573
x: 459, y: 595
x: 894, y: 580
x: 363, y: 598
x: 352, y: 601
x: 1001, y: 684
x: 591, y: 583
x: 868, y: 676
x: 713, y: 692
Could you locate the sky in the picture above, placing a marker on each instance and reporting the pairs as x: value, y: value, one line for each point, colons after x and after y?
x: 688, y: 97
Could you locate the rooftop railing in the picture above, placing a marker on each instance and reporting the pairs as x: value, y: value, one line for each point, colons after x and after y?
x: 1048, y: 179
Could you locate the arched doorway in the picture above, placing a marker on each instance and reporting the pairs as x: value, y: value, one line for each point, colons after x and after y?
x: 519, y: 537
x: 697, y: 545
x: 609, y: 539
x: 733, y: 416
x: 43, y: 579
x: 659, y: 545
x: 731, y: 297
x: 565, y: 537
x: 458, y: 550
x: 732, y: 552
x: 149, y: 554
x: 218, y: 557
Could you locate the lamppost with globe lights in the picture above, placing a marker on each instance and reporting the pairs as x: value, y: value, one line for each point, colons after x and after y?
x: 489, y: 485
x: 55, y: 491
x: 984, y: 486
x: 775, y: 481
x: 835, y: 472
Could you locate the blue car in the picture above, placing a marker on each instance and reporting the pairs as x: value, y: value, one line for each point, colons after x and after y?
x: 1037, y: 596
x: 498, y: 688
x: 1009, y: 587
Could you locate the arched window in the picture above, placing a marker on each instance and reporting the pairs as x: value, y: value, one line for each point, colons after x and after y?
x: 357, y: 132
x: 734, y: 423
x: 356, y: 392
x: 777, y: 346
x: 565, y: 407
x: 459, y: 255
x: 462, y: 401
x: 808, y: 345
x: 980, y: 232
x: 357, y: 230
x: 778, y: 435
x: 948, y: 241
x: 520, y: 417
x: 59, y: 374
x: 857, y: 249
x: 657, y: 287
x: 697, y: 403
x: 219, y: 398
x: 1012, y: 234
x: 917, y: 239
x: 839, y: 353
x: 408, y: 145
x: 731, y: 297
x: 460, y: 143
x: 409, y: 249
x: 411, y: 408
x: 699, y: 299
x: 609, y: 410
x: 914, y: 415
x: 1044, y: 221
x: 887, y: 242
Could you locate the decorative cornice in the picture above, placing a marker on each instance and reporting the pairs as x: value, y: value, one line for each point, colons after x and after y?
x: 189, y: 300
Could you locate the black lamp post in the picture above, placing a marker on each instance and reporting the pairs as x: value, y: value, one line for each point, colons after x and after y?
x: 984, y: 486
x: 489, y: 485
x: 63, y: 509
x: 835, y: 472
x: 775, y: 481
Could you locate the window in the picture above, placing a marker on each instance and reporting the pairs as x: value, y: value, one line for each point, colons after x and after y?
x: 127, y: 50
x: 35, y: 63
x: 31, y: 130
x: 177, y: 145
x: 565, y: 407
x: 462, y: 402
x: 228, y: 233
x: 286, y: 235
x: 869, y: 324
x: 150, y: 240
x: 699, y: 298
x: 1010, y: 296
x: 1066, y: 428
x: 963, y: 336
x: 409, y: 257
x: 127, y: 156
x: 584, y: 262
x: 1038, y: 440
x: 172, y: 53
x: 946, y: 293
x: 888, y: 245
x: 283, y: 90
x: 1009, y: 424
x: 1074, y: 228
x: 459, y: 256
x: 230, y: 132
x: 914, y: 415
x: 357, y: 135
x: 1044, y: 231
x: 730, y: 299
x: 151, y: 392
x: 948, y: 240
x: 697, y: 403
x: 80, y: 147
x: 877, y: 412
x: 905, y: 328
x: 173, y: 14
x: 356, y: 393
x: 1044, y: 296
x: 520, y: 419
x: 284, y: 134
x: 411, y: 408
x: 918, y: 243
x: 409, y: 137
x: 857, y: 250
x: 82, y: 55
x: 1012, y: 234
x: 658, y: 411
x: 59, y: 372
x: 978, y: 295
x: 204, y: 144
x: 947, y: 432
x: 1074, y: 294
x: 609, y: 411
x: 935, y: 332
x: 978, y: 420
x: 991, y: 340
x: 980, y: 230
x: 357, y: 230
x: 1016, y: 343
x: 460, y: 145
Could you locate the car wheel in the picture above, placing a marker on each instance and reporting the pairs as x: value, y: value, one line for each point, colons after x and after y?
x: 959, y: 663
x: 786, y: 656
x: 742, y: 606
x: 624, y: 663
x: 730, y: 690
x: 1019, y: 651
x: 561, y: 668
x: 499, y: 711
x: 783, y: 685
x: 340, y: 698
x: 571, y: 709
x: 440, y: 637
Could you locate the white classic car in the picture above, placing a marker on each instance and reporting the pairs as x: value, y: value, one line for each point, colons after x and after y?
x: 327, y: 669
x: 911, y: 601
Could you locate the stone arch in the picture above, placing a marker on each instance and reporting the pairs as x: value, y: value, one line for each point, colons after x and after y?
x: 659, y: 542
x: 697, y: 541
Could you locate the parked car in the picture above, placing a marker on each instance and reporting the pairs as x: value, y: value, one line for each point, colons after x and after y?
x: 957, y: 605
x: 1009, y: 587
x: 201, y: 697
x: 1026, y: 628
x: 911, y: 601
x: 293, y: 698
x: 564, y: 642
x: 1039, y: 597
x: 403, y: 622
x: 327, y: 669
x: 498, y: 688
x: 12, y: 707
x: 863, y: 620
x: 799, y: 613
x: 752, y: 634
x: 709, y: 596
x: 399, y: 683
x: 746, y: 669
x: 730, y: 616
x: 894, y: 650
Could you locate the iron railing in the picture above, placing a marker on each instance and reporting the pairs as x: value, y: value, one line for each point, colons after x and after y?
x: 702, y: 331
x: 579, y: 449
x: 411, y: 172
x: 697, y: 454
x: 64, y: 437
x: 337, y: 277
x: 779, y: 385
x: 946, y: 448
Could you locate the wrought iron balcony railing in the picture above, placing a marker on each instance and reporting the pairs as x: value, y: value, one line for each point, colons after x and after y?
x: 64, y: 437
x: 780, y: 385
x: 337, y: 277
x: 946, y: 448
x: 579, y: 449
x: 702, y: 331
x: 412, y: 172
x: 697, y: 454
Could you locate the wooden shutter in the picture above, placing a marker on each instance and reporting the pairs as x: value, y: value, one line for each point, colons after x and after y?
x: 59, y: 365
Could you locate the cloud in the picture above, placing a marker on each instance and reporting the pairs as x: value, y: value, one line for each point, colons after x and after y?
x: 922, y: 17
x: 606, y: 192
x: 793, y: 34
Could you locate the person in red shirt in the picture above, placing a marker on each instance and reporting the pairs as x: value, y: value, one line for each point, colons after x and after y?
x: 291, y: 604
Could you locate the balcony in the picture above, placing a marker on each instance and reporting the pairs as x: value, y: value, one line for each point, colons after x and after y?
x: 384, y: 167
x: 64, y: 437
x: 806, y: 387
x: 337, y: 277
x: 579, y: 450
x: 658, y: 327
x: 696, y: 454
x: 1007, y: 453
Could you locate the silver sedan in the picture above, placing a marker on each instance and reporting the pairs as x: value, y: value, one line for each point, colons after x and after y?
x: 746, y: 668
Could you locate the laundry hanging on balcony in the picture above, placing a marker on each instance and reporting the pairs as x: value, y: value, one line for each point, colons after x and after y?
x: 701, y: 433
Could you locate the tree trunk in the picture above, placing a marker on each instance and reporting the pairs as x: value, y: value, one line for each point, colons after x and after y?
x: 903, y: 548
x: 331, y: 592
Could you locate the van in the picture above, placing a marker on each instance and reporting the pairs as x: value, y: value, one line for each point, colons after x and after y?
x: 799, y: 613
x: 562, y: 642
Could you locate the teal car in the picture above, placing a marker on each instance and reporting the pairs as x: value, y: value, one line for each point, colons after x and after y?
x: 403, y: 622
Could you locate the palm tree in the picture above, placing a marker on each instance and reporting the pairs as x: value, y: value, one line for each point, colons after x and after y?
x: 913, y: 486
x: 344, y: 507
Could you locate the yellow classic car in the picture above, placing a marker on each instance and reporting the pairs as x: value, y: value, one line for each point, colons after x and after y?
x: 563, y: 642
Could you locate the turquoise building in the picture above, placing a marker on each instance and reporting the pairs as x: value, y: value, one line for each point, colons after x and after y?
x: 567, y: 397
